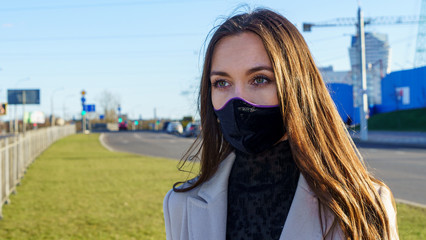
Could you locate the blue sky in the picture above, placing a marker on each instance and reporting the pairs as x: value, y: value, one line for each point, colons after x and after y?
x: 148, y: 54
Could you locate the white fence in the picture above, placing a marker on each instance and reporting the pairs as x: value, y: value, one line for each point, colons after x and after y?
x: 18, y: 152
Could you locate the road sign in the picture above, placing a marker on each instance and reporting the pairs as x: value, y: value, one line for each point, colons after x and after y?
x: 89, y: 108
x: 3, y: 108
x: 16, y: 96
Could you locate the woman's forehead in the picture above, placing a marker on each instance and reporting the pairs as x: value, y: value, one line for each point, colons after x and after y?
x: 241, y: 50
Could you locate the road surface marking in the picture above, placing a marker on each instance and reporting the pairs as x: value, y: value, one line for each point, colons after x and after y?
x: 102, y: 140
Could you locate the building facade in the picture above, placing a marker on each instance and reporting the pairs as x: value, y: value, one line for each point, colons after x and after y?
x: 330, y: 76
x: 378, y: 57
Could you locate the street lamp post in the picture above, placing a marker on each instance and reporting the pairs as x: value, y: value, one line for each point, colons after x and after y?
x: 52, y: 123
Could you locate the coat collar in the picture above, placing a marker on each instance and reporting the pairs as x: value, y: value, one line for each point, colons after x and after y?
x: 207, y: 211
x: 219, y: 182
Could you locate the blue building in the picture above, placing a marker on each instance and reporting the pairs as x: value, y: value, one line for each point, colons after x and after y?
x: 341, y: 94
x: 400, y: 90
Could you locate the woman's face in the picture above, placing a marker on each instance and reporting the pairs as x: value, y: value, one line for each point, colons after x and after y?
x: 241, y: 68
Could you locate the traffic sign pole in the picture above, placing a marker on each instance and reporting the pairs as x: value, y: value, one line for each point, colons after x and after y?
x: 83, y: 99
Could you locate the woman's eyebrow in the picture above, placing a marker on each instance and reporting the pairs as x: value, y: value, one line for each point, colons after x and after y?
x: 250, y: 71
x: 259, y: 68
x: 219, y: 73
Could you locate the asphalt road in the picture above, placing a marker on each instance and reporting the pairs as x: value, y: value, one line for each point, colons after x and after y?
x: 148, y: 143
x: 402, y: 169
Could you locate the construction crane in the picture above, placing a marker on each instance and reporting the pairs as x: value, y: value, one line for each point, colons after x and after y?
x: 420, y: 58
x: 347, y: 22
x: 359, y: 23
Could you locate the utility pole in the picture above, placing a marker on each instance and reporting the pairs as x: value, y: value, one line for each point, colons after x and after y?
x: 10, y: 122
x: 15, y: 125
x: 24, y: 99
x: 53, y: 119
x: 155, y: 118
x: 364, y: 97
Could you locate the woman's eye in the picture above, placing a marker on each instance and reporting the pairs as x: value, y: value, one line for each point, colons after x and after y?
x: 260, y: 80
x: 220, y: 84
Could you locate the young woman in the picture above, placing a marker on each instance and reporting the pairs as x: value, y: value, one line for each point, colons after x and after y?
x: 276, y: 159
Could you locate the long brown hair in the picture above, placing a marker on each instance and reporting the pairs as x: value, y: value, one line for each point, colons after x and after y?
x: 321, y: 146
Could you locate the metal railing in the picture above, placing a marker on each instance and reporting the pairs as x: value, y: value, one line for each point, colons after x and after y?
x: 18, y: 152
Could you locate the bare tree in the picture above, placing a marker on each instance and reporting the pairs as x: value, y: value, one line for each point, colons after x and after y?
x: 109, y: 103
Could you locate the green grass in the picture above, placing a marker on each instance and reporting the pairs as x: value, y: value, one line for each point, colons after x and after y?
x: 411, y: 222
x: 404, y: 120
x: 79, y: 190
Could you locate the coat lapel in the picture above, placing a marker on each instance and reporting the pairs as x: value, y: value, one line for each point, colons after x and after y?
x: 207, y: 211
x: 303, y: 220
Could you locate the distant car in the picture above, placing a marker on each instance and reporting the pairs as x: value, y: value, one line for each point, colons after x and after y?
x: 165, y: 125
x: 122, y: 126
x: 192, y: 130
x: 175, y: 128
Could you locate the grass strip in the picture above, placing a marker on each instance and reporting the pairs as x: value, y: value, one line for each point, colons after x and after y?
x: 78, y: 190
x: 411, y: 222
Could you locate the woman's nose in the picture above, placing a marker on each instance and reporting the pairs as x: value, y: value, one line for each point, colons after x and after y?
x: 240, y: 92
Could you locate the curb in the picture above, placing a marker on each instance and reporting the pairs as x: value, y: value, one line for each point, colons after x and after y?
x: 414, y: 204
x: 101, y: 140
x: 393, y: 144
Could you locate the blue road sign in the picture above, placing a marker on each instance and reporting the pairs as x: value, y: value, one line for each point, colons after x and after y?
x: 83, y: 100
x: 89, y: 108
x: 16, y: 96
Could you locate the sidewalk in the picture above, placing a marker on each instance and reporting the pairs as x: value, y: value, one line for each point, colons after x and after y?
x: 406, y: 139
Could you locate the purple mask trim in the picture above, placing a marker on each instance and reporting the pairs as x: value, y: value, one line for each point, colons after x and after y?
x: 253, y: 104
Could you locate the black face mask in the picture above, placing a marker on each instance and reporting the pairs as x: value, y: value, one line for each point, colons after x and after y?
x: 250, y: 128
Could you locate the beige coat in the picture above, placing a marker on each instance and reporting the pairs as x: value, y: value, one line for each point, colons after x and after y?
x: 200, y: 214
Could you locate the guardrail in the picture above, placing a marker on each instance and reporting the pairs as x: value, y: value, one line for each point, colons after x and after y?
x: 18, y: 152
